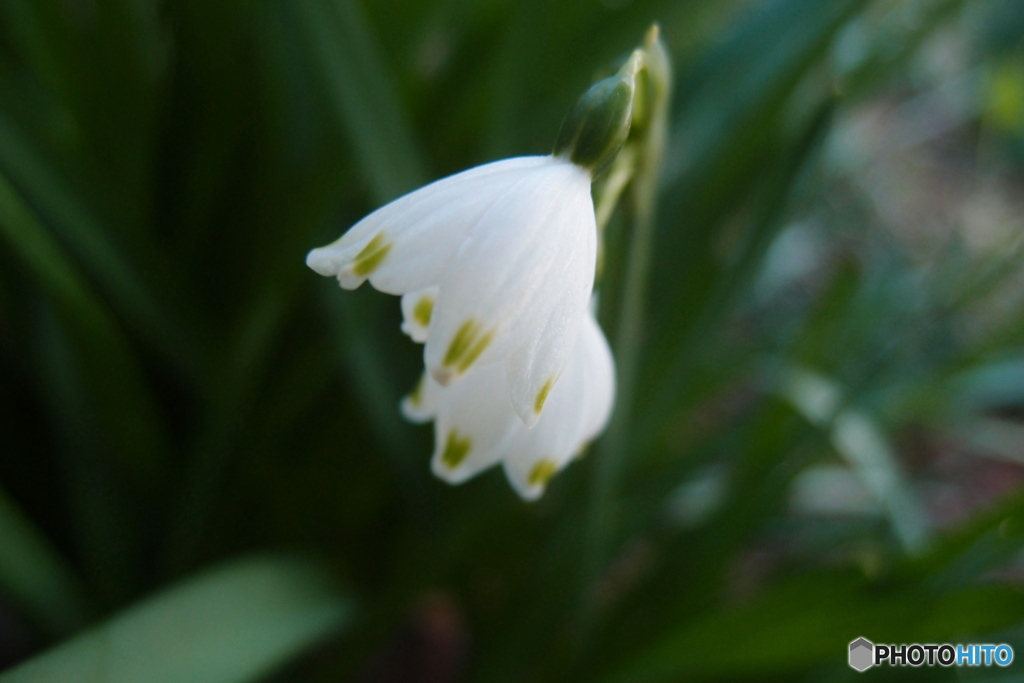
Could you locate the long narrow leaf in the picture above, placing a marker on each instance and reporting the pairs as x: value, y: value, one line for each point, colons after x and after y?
x: 34, y: 574
x: 26, y: 168
x: 232, y: 624
x: 102, y: 349
x: 366, y: 102
x: 809, y: 622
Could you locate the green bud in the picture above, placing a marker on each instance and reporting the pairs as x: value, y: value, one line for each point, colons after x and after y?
x: 653, y: 85
x: 597, y: 126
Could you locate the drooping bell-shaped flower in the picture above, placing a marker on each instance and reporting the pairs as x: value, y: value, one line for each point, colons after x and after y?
x: 495, y: 267
x: 500, y: 260
x: 476, y: 428
x: 496, y: 264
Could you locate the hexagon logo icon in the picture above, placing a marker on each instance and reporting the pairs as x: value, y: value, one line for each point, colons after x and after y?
x: 862, y: 653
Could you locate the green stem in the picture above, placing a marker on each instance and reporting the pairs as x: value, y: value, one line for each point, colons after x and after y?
x: 611, y: 452
x: 603, y: 514
x: 612, y: 449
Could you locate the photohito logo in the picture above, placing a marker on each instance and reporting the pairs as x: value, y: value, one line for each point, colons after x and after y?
x: 864, y: 654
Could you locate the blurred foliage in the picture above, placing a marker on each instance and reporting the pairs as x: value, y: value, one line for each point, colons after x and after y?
x: 828, y: 431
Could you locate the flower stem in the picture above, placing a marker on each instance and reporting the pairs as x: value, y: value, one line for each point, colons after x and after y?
x: 628, y: 336
x: 612, y: 448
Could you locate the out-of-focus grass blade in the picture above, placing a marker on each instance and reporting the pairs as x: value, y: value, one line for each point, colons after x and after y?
x: 348, y: 59
x: 91, y: 243
x: 724, y: 293
x: 378, y: 387
x: 231, y: 624
x: 874, y: 45
x: 860, y: 441
x: 992, y: 385
x: 981, y: 545
x: 99, y: 78
x: 811, y: 620
x: 760, y: 454
x: 131, y: 415
x: 365, y: 99
x: 34, y: 574
x: 108, y: 547
x: 986, y: 278
x: 728, y: 126
x: 244, y: 362
x: 729, y: 99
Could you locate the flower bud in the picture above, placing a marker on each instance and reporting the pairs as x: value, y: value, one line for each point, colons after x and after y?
x: 653, y: 86
x: 597, y: 126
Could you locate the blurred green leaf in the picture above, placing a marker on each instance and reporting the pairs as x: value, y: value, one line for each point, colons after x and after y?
x: 861, y: 442
x: 982, y: 544
x: 346, y: 56
x: 376, y: 382
x: 991, y: 385
x: 811, y: 620
x: 34, y: 574
x: 93, y: 245
x: 730, y: 130
x: 231, y: 624
x: 677, y: 375
x: 131, y: 415
x: 348, y: 60
x: 887, y: 37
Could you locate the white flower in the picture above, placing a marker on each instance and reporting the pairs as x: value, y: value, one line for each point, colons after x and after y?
x: 475, y: 426
x: 495, y: 265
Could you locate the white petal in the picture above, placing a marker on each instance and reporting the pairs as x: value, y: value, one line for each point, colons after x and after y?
x: 535, y: 367
x: 420, y: 405
x: 532, y: 245
x: 406, y: 244
x: 579, y: 408
x: 473, y: 422
x: 476, y: 426
x: 600, y: 392
x: 417, y: 309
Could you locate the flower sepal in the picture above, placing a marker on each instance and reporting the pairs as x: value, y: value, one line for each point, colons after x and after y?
x: 598, y: 124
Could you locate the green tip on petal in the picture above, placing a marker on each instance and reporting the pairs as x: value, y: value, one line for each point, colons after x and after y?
x: 370, y: 258
x: 469, y: 342
x: 598, y: 124
x: 423, y: 310
x: 542, y: 472
x: 455, y: 450
x: 542, y: 395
